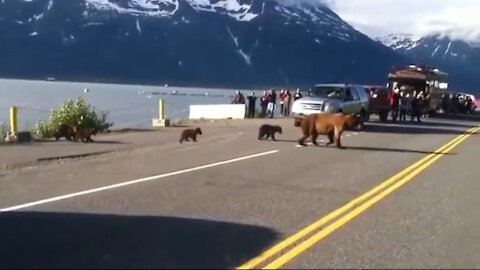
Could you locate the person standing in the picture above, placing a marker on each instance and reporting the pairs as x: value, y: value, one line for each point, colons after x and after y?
x: 426, y: 105
x: 251, y: 105
x: 272, y: 100
x: 281, y: 98
x: 288, y: 103
x: 239, y: 98
x: 415, y: 103
x: 264, y: 103
x: 395, y: 104
x: 297, y: 95
x: 403, y: 106
x: 468, y: 104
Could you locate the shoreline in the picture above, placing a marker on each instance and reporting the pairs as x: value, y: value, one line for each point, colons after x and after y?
x: 218, y: 87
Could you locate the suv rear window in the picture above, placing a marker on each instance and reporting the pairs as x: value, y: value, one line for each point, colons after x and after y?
x: 327, y: 92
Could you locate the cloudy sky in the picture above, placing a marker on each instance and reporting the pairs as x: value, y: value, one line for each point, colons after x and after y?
x: 460, y: 18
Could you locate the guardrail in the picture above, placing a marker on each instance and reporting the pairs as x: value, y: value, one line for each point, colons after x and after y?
x: 217, y: 111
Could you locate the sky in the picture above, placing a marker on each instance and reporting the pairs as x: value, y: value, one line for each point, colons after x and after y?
x: 459, y: 18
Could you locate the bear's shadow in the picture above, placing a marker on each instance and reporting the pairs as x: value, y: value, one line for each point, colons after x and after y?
x: 363, y: 148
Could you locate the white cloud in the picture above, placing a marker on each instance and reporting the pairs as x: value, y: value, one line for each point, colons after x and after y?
x: 456, y: 18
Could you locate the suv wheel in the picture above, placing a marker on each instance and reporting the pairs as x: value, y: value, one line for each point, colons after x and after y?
x: 383, y: 116
x: 363, y: 119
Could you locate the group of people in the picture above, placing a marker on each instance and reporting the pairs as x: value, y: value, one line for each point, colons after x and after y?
x: 268, y: 102
x: 402, y: 103
x: 458, y: 103
x: 417, y: 105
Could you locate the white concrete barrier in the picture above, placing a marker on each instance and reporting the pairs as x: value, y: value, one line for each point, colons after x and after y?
x: 218, y: 111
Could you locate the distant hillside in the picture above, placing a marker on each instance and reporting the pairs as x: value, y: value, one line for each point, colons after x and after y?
x: 199, y: 42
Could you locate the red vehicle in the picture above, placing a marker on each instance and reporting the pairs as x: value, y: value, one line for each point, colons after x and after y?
x: 379, y: 100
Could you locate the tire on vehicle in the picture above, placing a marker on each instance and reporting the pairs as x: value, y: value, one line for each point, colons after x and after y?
x: 363, y: 117
x: 383, y: 116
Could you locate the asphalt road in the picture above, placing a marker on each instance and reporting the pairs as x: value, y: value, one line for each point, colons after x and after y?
x: 222, y: 201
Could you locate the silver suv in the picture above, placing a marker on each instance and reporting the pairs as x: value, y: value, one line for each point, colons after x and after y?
x: 332, y: 98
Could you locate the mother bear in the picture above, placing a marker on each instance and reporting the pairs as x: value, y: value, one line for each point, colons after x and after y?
x: 331, y: 124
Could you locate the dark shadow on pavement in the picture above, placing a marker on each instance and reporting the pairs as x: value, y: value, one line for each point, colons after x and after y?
x: 463, y: 117
x: 430, y: 122
x: 71, y: 240
x: 445, y: 124
x: 108, y: 142
x: 365, y: 148
x: 413, y: 128
x: 282, y: 140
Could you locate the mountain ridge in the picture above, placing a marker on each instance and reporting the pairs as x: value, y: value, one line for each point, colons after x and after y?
x: 199, y: 42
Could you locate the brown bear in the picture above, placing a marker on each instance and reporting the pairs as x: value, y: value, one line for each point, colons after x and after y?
x: 190, y: 133
x: 331, y: 124
x: 84, y: 134
x: 265, y: 131
x: 66, y: 131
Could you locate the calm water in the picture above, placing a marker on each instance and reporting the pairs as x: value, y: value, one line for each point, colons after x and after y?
x: 129, y: 105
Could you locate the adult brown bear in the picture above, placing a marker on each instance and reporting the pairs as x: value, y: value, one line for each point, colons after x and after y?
x: 330, y: 124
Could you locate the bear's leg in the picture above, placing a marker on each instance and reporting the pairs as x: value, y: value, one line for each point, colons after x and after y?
x: 260, y: 135
x: 314, y: 137
x: 302, y: 139
x: 338, y: 135
x: 330, y: 137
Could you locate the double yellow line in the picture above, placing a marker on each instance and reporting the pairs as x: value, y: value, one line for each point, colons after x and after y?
x: 359, y: 205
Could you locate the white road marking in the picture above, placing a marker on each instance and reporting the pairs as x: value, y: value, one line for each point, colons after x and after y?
x: 132, y: 182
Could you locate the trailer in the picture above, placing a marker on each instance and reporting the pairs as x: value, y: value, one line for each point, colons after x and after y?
x: 428, y: 80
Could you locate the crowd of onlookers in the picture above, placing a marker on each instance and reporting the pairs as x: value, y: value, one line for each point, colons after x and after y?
x: 417, y: 105
x: 402, y: 104
x: 458, y: 103
x: 268, y: 101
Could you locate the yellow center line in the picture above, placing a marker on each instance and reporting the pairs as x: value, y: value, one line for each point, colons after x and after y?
x: 304, y: 246
x: 322, y: 221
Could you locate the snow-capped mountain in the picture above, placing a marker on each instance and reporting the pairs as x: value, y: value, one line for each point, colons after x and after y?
x: 216, y: 42
x: 457, y: 57
x: 400, y: 41
x: 168, y: 8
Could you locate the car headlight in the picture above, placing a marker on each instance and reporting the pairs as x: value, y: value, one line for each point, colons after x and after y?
x: 330, y: 107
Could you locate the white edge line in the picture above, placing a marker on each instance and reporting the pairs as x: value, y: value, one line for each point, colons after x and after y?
x: 132, y: 182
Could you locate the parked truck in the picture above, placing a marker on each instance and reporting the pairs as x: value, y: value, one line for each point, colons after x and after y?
x: 379, y: 101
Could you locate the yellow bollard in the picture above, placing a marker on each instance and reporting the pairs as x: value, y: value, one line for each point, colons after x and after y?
x: 161, y: 109
x: 162, y: 121
x: 13, y: 120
